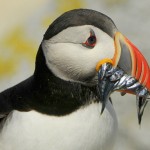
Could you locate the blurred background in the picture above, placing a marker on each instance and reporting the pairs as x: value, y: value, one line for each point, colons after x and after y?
x: 23, y: 23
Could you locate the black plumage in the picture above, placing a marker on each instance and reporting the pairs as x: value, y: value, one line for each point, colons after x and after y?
x: 79, y: 17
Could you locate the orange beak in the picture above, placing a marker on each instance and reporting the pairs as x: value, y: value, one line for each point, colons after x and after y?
x: 130, y: 60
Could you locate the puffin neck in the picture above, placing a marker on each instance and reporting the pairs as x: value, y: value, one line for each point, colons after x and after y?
x: 46, y: 93
x: 58, y: 97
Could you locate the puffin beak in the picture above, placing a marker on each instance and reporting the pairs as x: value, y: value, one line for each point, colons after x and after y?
x: 128, y: 58
x: 128, y: 65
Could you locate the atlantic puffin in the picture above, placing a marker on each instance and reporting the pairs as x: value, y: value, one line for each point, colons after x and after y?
x: 58, y: 107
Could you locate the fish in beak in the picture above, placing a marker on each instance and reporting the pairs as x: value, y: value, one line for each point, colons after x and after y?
x: 126, y: 72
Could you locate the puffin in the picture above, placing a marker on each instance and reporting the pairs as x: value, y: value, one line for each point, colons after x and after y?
x: 59, y: 107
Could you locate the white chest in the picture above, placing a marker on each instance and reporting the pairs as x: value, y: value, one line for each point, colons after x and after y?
x: 84, y: 129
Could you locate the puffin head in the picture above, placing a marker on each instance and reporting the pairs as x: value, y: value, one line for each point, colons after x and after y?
x: 75, y: 42
x: 79, y: 41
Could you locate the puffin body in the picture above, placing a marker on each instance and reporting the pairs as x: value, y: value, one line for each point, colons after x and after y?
x: 84, y: 129
x: 59, y: 107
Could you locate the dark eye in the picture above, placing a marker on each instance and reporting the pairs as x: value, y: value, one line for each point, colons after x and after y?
x: 91, y: 41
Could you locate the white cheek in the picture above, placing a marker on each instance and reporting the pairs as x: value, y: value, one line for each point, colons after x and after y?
x: 68, y: 61
x: 72, y: 61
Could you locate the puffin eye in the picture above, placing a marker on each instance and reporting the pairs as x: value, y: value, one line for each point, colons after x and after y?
x: 90, y: 42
